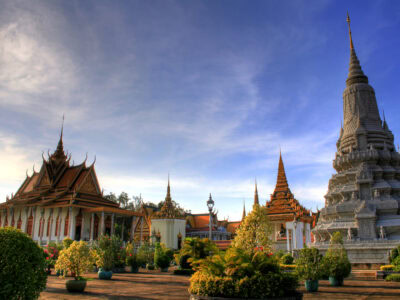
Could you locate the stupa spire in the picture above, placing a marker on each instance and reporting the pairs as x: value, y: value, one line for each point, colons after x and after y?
x: 356, y: 74
x: 281, y: 181
x: 168, y: 196
x: 59, y: 154
x: 244, y: 211
x: 256, y: 202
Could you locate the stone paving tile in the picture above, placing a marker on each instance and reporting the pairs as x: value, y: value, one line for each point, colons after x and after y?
x: 356, y: 289
x: 156, y: 285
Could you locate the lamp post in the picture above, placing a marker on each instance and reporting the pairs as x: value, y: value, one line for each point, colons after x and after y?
x: 210, y: 205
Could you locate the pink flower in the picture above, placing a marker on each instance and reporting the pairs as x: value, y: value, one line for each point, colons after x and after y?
x: 52, y: 255
x: 45, y: 251
x: 47, y: 258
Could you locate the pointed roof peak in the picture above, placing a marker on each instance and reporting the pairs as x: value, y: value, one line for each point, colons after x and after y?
x: 244, y: 210
x: 256, y: 201
x: 356, y: 74
x: 168, y: 197
x: 59, y: 154
x: 281, y: 180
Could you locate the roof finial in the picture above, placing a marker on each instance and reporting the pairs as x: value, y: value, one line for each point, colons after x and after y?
x: 168, y: 197
x: 62, y: 127
x: 351, y: 39
x: 244, y: 210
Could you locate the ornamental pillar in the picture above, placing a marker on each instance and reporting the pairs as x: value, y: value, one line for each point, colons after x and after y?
x: 33, y: 211
x: 71, y: 223
x: 41, y: 225
x: 287, y: 240
x: 50, y: 226
x: 58, y: 226
x: 112, y: 224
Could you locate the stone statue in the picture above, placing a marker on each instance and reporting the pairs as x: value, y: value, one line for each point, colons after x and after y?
x: 382, y: 234
x: 349, y: 234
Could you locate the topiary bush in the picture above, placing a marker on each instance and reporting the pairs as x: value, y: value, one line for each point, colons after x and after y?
x: 393, y: 277
x: 22, y: 266
x: 287, y: 259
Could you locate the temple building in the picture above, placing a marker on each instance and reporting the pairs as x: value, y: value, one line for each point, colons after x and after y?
x: 363, y: 196
x: 290, y: 220
x: 62, y: 200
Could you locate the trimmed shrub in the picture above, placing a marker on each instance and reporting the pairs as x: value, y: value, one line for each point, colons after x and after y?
x: 67, y: 242
x: 22, y: 266
x: 287, y: 259
x: 393, y: 277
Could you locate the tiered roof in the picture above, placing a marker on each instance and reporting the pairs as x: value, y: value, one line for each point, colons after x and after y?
x: 59, y: 184
x: 283, y: 206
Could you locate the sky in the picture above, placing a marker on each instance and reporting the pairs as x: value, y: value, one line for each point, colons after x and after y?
x: 206, y: 91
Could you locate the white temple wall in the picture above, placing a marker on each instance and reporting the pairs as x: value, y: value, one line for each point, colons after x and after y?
x: 169, y: 230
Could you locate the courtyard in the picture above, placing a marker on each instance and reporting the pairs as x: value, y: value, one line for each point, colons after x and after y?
x: 157, y: 285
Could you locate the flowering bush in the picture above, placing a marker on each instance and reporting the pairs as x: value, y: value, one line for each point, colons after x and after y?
x: 104, y: 251
x: 67, y: 242
x: 77, y: 259
x: 51, y: 254
x: 240, y: 274
x: 131, y: 257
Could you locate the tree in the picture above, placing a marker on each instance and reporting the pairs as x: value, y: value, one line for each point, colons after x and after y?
x: 254, y: 231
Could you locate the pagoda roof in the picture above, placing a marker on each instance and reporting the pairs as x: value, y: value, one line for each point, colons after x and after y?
x: 283, y: 206
x: 59, y: 184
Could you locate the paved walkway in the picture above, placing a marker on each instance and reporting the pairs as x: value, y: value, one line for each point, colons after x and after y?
x: 156, y: 285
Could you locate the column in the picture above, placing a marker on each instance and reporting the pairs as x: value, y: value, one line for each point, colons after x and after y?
x: 59, y: 222
x: 287, y: 240
x: 122, y: 228
x: 92, y: 227
x: 308, y: 234
x: 41, y: 225
x: 71, y: 230
x: 26, y: 220
x: 102, y: 227
x: 34, y: 221
x: 51, y: 226
x: 133, y: 228
x: 112, y: 224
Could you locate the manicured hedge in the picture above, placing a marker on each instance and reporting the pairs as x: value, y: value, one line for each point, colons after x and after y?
x: 393, y: 277
x: 22, y: 266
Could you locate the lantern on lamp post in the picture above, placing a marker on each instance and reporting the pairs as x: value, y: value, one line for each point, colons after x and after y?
x: 210, y: 205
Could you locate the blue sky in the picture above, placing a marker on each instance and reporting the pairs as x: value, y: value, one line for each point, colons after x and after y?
x: 205, y: 90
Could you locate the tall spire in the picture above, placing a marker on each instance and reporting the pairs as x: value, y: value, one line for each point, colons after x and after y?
x: 281, y: 181
x: 168, y: 197
x: 244, y: 211
x: 356, y: 75
x: 59, y: 154
x: 256, y: 202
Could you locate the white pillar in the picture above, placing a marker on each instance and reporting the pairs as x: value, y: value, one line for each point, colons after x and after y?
x: 308, y: 234
x: 33, y: 209
x: 25, y: 225
x: 50, y: 219
x: 71, y: 231
x: 59, y: 222
x: 287, y: 240
x: 41, y: 225
x: 91, y: 227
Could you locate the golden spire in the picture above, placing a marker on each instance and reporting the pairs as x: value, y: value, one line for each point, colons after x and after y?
x: 244, y: 211
x: 256, y: 202
x: 351, y: 39
x: 168, y: 197
x: 281, y: 181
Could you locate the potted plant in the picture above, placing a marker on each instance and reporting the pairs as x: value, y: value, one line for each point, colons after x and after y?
x: 309, y: 266
x: 105, y: 257
x: 78, y: 260
x: 132, y: 258
x: 161, y: 259
x: 335, y: 262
